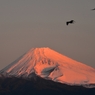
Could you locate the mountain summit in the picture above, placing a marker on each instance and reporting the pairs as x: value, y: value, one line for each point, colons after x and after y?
x: 51, y: 65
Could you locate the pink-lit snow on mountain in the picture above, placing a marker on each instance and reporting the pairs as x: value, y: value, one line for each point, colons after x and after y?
x: 52, y: 65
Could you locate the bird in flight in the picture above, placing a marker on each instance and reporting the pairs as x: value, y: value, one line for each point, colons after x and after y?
x: 93, y: 9
x: 70, y: 22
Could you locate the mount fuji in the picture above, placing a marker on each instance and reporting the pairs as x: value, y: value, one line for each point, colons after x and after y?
x: 48, y: 66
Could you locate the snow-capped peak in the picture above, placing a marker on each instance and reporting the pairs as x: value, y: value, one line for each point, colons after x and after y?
x: 52, y: 65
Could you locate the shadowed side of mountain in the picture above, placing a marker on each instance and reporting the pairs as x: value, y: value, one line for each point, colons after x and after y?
x: 39, y: 86
x: 1, y: 71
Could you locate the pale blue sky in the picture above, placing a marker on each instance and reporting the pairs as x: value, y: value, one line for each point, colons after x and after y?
x: 25, y: 24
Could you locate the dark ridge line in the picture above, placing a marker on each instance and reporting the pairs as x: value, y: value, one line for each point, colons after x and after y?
x: 39, y: 86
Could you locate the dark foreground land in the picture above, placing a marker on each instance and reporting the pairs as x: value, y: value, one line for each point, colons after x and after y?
x: 39, y: 86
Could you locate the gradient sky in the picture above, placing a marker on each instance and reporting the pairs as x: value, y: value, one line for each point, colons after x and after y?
x: 26, y: 24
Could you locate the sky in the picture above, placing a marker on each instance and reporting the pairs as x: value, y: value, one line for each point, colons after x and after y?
x: 26, y: 24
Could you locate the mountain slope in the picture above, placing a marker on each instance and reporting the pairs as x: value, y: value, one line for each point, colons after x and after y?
x: 51, y: 65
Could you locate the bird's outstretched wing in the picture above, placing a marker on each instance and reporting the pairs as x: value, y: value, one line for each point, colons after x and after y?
x: 67, y: 23
x: 93, y: 9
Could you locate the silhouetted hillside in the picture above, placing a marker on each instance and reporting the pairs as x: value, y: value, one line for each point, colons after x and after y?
x: 39, y: 86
